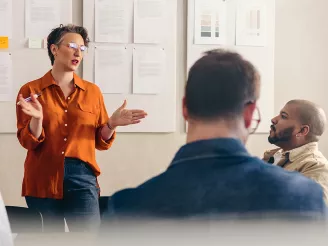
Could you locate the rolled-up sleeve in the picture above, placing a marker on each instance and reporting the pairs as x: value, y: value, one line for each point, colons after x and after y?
x: 101, y: 144
x: 24, y: 135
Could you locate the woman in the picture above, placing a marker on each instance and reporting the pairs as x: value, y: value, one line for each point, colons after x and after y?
x: 61, y: 128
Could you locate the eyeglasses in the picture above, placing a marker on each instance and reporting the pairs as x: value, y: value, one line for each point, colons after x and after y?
x: 76, y: 46
x: 255, y: 121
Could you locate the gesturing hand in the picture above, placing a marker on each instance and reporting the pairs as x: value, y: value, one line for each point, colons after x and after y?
x: 32, y: 108
x: 124, y: 117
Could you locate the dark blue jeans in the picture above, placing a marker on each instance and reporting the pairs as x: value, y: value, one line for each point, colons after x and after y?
x: 80, y: 204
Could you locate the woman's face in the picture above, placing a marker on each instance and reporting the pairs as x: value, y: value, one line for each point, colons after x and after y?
x: 69, y: 53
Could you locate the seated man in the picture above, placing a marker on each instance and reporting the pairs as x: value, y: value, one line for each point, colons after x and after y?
x: 213, y: 173
x: 296, y: 131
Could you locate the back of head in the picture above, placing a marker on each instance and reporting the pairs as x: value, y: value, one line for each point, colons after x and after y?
x: 313, y: 116
x: 219, y: 85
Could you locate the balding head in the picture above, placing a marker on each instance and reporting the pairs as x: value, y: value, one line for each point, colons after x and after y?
x: 298, y: 123
x: 312, y: 115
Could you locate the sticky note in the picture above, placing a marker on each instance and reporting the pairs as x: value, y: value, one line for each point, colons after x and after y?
x: 4, y: 43
x: 34, y: 43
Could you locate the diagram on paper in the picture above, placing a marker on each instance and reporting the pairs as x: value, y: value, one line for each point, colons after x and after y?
x: 210, y: 25
x: 251, y: 24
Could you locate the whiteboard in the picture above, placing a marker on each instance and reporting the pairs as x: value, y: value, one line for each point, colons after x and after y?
x: 28, y: 64
x: 161, y: 108
x: 261, y: 57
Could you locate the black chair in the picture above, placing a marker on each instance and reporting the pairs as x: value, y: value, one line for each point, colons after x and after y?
x: 24, y: 220
x: 104, y: 204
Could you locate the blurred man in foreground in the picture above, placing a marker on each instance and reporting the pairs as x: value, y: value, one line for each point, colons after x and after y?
x: 213, y: 173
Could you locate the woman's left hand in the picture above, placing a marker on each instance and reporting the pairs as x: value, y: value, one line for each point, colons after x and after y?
x: 124, y: 117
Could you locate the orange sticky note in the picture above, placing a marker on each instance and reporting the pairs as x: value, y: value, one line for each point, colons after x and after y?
x: 4, y: 43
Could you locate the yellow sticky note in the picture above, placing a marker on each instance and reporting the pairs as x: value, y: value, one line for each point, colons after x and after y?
x: 4, y: 43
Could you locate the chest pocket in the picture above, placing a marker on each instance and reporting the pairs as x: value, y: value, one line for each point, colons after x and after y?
x: 87, y: 114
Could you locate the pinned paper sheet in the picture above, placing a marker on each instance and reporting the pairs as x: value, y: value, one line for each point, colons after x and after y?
x: 4, y: 43
x: 6, y: 83
x: 251, y: 23
x: 6, y: 17
x: 35, y: 43
x: 210, y: 22
x: 149, y: 69
x: 112, y: 69
x: 149, y: 21
x: 41, y: 16
x: 113, y: 21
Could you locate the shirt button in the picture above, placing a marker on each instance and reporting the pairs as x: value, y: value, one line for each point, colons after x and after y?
x: 65, y: 110
x: 65, y: 139
x: 68, y: 98
x: 65, y: 124
x: 63, y: 152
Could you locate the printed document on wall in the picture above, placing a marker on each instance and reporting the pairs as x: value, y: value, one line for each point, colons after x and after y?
x: 113, y: 71
x: 41, y: 16
x: 251, y: 23
x: 6, y: 83
x: 149, y: 21
x: 113, y: 21
x: 210, y: 25
x: 6, y: 24
x: 149, y: 69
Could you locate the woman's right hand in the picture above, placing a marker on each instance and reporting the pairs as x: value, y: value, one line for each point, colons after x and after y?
x: 32, y: 108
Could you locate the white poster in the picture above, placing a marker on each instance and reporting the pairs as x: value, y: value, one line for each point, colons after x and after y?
x: 6, y: 14
x: 210, y: 25
x: 41, y: 16
x: 6, y: 82
x: 113, y: 21
x: 149, y: 69
x: 149, y: 21
x: 113, y: 69
x: 251, y: 23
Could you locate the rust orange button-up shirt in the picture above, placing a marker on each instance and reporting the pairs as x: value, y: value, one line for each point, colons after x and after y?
x: 71, y: 128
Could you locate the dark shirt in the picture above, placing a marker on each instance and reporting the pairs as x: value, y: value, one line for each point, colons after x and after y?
x: 219, y: 176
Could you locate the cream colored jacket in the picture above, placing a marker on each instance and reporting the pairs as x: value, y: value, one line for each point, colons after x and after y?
x: 307, y: 160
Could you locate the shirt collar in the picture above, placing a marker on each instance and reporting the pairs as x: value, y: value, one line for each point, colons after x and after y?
x: 294, y: 153
x: 217, y: 146
x: 48, y: 80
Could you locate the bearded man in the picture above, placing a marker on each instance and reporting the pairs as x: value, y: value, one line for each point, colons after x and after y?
x: 296, y: 131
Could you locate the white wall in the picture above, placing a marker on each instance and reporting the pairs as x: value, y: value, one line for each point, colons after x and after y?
x: 300, y: 72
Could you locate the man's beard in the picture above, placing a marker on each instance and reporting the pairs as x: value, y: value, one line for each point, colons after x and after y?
x: 283, y: 136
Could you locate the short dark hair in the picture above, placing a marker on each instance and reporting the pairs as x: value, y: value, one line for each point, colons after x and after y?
x: 56, y: 35
x: 219, y: 85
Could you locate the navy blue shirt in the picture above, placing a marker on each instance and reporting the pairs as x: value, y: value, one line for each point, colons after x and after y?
x: 219, y: 176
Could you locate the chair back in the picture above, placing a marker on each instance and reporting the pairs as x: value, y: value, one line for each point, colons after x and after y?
x: 24, y: 220
x: 104, y: 204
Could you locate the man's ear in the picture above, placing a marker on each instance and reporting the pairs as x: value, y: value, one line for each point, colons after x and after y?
x: 184, y: 109
x: 305, y: 129
x: 248, y: 113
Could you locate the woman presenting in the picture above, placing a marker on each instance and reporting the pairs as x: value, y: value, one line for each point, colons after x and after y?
x: 61, y: 120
